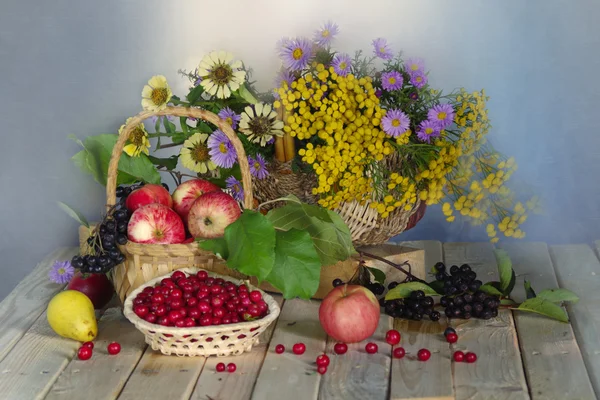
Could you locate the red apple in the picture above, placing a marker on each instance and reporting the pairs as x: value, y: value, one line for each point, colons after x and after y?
x: 211, y: 213
x: 349, y: 313
x: 97, y: 287
x: 148, y: 194
x: 186, y: 193
x: 155, y: 223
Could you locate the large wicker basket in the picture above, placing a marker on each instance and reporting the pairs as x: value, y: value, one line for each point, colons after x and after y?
x: 219, y: 340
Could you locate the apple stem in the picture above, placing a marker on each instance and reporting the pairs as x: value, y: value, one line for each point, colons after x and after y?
x: 397, y: 266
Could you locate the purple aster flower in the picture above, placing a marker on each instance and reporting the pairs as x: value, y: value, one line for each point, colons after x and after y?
x: 286, y: 76
x: 427, y: 130
x: 296, y: 54
x: 324, y: 36
x: 154, y: 118
x: 381, y: 49
x: 198, y: 79
x: 378, y: 93
x: 258, y: 166
x: 230, y: 116
x: 221, y: 152
x: 414, y: 96
x: 392, y: 80
x: 412, y: 65
x: 281, y: 45
x: 418, y: 79
x: 237, y: 190
x: 61, y: 272
x: 342, y: 63
x: 271, y: 141
x: 443, y: 114
x: 395, y: 123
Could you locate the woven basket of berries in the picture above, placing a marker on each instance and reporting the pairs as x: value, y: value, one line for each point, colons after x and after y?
x: 193, y: 312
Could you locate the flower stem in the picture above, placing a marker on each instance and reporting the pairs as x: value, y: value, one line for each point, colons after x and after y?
x: 397, y: 266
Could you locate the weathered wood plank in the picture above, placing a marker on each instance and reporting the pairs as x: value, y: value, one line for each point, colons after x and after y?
x: 498, y: 371
x: 414, y: 379
x: 103, y: 375
x: 433, y: 251
x: 553, y: 362
x: 288, y: 375
x: 239, y: 385
x: 578, y: 269
x: 20, y: 309
x: 35, y: 362
x: 357, y: 374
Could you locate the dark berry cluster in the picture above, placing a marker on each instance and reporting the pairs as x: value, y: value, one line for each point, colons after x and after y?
x: 462, y: 298
x: 414, y: 307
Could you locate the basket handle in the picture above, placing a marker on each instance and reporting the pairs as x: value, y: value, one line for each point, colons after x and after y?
x: 111, y: 181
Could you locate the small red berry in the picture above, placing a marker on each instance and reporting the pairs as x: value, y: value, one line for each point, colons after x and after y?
x: 231, y: 367
x: 399, y: 352
x: 392, y: 337
x: 471, y: 357
x: 141, y: 310
x: 321, y: 369
x: 279, y: 349
x: 202, y: 275
x: 158, y: 298
x: 340, y: 348
x: 323, y: 360
x: 371, y: 348
x: 84, y: 353
x: 150, y: 318
x: 177, y: 275
x: 424, y: 354
x: 89, y: 344
x: 459, y: 356
x: 299, y: 348
x: 114, y: 348
x: 452, y: 338
x: 255, y: 296
x: 220, y: 367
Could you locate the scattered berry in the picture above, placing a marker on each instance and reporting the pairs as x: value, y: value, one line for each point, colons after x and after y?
x: 89, y: 344
x: 459, y: 356
x: 392, y: 337
x: 299, y: 348
x: 84, y: 353
x: 231, y: 367
x: 323, y: 360
x: 449, y: 330
x: 399, y: 352
x: 220, y: 367
x: 279, y: 349
x: 452, y: 338
x: 471, y: 357
x: 321, y: 369
x: 424, y: 354
x: 337, y: 282
x: 114, y: 348
x: 340, y: 348
x: 371, y: 348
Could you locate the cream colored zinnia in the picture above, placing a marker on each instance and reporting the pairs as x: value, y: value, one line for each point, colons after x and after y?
x: 194, y: 154
x: 137, y: 142
x: 260, y: 123
x: 156, y: 94
x: 220, y: 74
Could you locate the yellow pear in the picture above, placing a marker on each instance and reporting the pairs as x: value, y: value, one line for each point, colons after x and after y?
x: 71, y: 315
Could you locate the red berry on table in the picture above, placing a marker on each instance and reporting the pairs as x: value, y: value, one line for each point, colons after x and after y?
x: 321, y: 369
x: 231, y: 367
x: 452, y: 338
x: 340, y: 348
x: 323, y: 360
x: 471, y: 357
x: 371, y: 348
x: 89, y: 344
x: 424, y: 354
x: 84, y: 353
x: 114, y: 348
x: 220, y: 367
x: 299, y: 348
x: 279, y: 349
x: 399, y: 352
x: 392, y: 337
x: 459, y: 356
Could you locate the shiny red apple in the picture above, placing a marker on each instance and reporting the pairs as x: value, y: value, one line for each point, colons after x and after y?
x: 211, y: 213
x: 148, y: 194
x: 349, y: 313
x: 97, y: 287
x: 186, y: 193
x: 157, y: 224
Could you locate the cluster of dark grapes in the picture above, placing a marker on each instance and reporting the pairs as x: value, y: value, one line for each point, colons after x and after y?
x: 462, y: 297
x: 105, y: 238
x: 414, y: 307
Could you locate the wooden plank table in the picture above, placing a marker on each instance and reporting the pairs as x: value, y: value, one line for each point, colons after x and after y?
x: 520, y: 356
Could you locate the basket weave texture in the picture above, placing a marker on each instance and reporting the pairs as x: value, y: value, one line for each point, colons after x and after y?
x: 219, y: 340
x: 147, y: 261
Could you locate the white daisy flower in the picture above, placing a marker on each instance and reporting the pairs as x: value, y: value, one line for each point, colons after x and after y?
x: 260, y: 123
x: 220, y: 74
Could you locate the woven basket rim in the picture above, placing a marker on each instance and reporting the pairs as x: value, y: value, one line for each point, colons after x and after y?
x: 140, y: 323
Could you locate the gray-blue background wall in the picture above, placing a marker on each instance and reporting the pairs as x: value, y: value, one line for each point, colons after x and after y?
x: 78, y: 67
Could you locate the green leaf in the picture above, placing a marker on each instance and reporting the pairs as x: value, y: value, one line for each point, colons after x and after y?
x: 184, y: 125
x: 246, y: 95
x: 511, y: 284
x: 204, y: 127
x: 251, y: 243
x: 80, y: 160
x: 529, y: 290
x: 558, y: 295
x: 75, y: 139
x: 169, y: 126
x: 179, y: 137
x: 507, y: 302
x: 169, y: 163
x: 504, y: 269
x: 404, y: 289
x: 438, y: 286
x: 378, y: 274
x: 74, y: 214
x: 489, y: 288
x: 218, y: 246
x: 544, y: 307
x: 139, y: 167
x: 297, y: 268
x: 195, y: 94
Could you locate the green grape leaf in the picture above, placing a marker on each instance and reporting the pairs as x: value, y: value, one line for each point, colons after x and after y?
x: 297, y: 268
x: 404, y: 289
x: 544, y: 307
x: 511, y: 284
x: 529, y: 290
x: 438, y: 286
x: 504, y: 270
x: 251, y: 243
x: 558, y: 295
x: 76, y: 215
x: 489, y: 288
x: 378, y: 274
x: 217, y: 246
x: 169, y: 163
x: 194, y: 94
x: 507, y: 302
